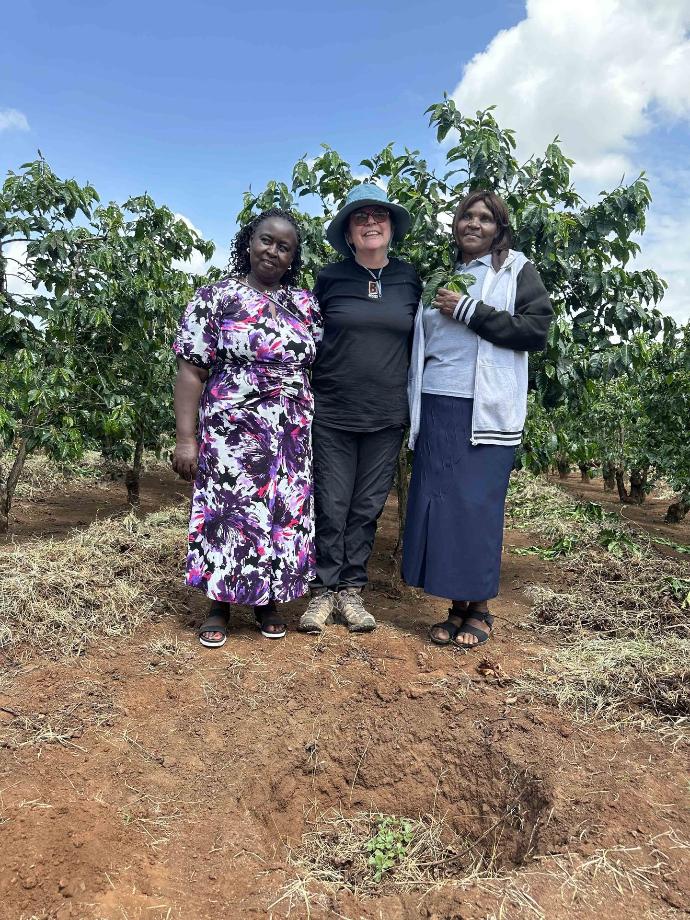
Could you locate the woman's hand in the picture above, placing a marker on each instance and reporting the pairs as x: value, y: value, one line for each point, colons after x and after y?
x: 185, y: 458
x: 189, y: 385
x: 446, y: 301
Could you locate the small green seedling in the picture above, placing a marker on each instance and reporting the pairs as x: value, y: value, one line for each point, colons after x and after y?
x: 389, y: 844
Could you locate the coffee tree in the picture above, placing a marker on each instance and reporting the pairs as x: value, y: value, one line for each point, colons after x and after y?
x: 40, y: 248
x: 635, y: 426
x: 133, y: 293
x: 86, y: 320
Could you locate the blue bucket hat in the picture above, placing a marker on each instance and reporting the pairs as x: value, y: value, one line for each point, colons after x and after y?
x: 359, y: 197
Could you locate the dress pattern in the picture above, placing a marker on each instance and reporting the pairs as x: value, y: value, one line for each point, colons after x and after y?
x: 251, y: 529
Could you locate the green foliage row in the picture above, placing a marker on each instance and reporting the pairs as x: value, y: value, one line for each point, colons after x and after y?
x: 635, y: 423
x: 85, y: 355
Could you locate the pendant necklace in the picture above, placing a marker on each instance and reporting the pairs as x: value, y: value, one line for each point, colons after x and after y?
x: 375, y: 286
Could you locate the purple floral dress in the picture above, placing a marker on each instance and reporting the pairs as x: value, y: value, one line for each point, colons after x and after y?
x: 251, y: 527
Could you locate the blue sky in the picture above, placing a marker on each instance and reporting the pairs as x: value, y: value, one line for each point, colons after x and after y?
x: 193, y: 103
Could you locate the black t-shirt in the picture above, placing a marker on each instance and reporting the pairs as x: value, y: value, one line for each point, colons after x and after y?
x: 359, y: 377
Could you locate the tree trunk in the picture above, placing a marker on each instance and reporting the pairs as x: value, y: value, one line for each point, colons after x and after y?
x: 584, y: 471
x: 563, y: 468
x: 638, y: 484
x: 609, y: 473
x: 620, y: 484
x: 402, y: 486
x: 677, y: 510
x: 133, y: 474
x: 8, y: 487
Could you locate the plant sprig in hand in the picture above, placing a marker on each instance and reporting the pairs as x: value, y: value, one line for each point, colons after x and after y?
x: 458, y: 283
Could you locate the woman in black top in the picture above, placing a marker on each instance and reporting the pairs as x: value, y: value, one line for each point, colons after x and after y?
x: 368, y: 303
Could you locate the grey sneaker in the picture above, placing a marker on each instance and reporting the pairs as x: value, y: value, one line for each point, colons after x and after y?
x: 319, y: 612
x: 354, y: 612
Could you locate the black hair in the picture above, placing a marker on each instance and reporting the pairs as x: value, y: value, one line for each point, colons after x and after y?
x: 239, y: 263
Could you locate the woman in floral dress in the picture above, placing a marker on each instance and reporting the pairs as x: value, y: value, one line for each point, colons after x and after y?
x: 244, y: 347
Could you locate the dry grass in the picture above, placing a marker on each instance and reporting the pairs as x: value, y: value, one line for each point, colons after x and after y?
x: 102, y: 581
x: 631, y: 681
x: 620, y: 611
x: 336, y: 854
x: 536, y: 505
x: 624, y: 597
x: 625, y: 869
x: 59, y: 719
x: 42, y: 476
x: 152, y: 814
x: 334, y: 857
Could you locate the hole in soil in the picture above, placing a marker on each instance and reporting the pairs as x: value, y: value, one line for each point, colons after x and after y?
x: 443, y: 776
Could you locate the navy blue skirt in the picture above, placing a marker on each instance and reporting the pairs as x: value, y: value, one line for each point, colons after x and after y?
x: 454, y: 527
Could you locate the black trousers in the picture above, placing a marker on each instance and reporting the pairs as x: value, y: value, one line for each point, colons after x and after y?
x: 353, y: 474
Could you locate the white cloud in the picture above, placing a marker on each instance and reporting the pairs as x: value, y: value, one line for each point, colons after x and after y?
x: 602, y: 75
x: 196, y: 262
x: 12, y: 119
x: 19, y: 273
x: 596, y: 72
x: 666, y: 249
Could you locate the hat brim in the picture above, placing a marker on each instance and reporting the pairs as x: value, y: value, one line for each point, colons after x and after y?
x: 336, y: 230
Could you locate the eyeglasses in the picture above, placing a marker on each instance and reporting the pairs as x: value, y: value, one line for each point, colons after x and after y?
x: 378, y: 215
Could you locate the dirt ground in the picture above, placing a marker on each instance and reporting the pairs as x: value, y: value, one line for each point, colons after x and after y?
x: 648, y: 516
x: 153, y: 778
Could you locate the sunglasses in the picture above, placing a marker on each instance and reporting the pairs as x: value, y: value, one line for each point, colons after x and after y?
x: 378, y: 215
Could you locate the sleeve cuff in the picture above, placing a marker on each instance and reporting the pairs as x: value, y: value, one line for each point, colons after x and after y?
x: 464, y: 311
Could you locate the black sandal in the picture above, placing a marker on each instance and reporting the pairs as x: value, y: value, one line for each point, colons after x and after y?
x: 481, y: 635
x: 270, y: 618
x: 451, y: 628
x: 216, y: 622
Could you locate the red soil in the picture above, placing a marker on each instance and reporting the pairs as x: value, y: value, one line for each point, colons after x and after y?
x: 181, y: 780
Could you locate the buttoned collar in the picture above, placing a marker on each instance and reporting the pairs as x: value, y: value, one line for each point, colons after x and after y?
x: 482, y: 260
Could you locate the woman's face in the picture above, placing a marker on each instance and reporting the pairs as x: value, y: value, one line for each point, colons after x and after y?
x: 272, y: 249
x: 475, y: 231
x: 370, y: 228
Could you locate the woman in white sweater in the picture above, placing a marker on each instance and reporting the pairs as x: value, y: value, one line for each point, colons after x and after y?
x: 468, y: 400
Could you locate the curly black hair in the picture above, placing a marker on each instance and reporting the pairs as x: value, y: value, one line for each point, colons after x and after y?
x: 239, y: 256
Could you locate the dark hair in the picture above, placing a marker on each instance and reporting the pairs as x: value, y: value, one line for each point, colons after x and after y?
x: 239, y: 263
x: 499, y: 211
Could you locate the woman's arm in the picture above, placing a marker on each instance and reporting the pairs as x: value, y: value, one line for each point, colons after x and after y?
x: 189, y: 385
x: 525, y: 330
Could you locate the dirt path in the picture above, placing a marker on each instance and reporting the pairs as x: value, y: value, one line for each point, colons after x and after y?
x: 648, y: 516
x: 77, y: 505
x: 155, y: 779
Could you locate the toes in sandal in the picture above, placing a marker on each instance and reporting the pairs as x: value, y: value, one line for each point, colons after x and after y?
x: 271, y: 618
x: 451, y: 628
x: 448, y: 625
x: 482, y: 635
x: 216, y: 622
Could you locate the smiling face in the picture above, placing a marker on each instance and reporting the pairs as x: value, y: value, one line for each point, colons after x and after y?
x: 369, y: 228
x: 272, y: 249
x: 475, y: 230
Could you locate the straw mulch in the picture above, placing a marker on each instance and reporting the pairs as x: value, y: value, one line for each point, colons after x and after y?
x: 56, y: 596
